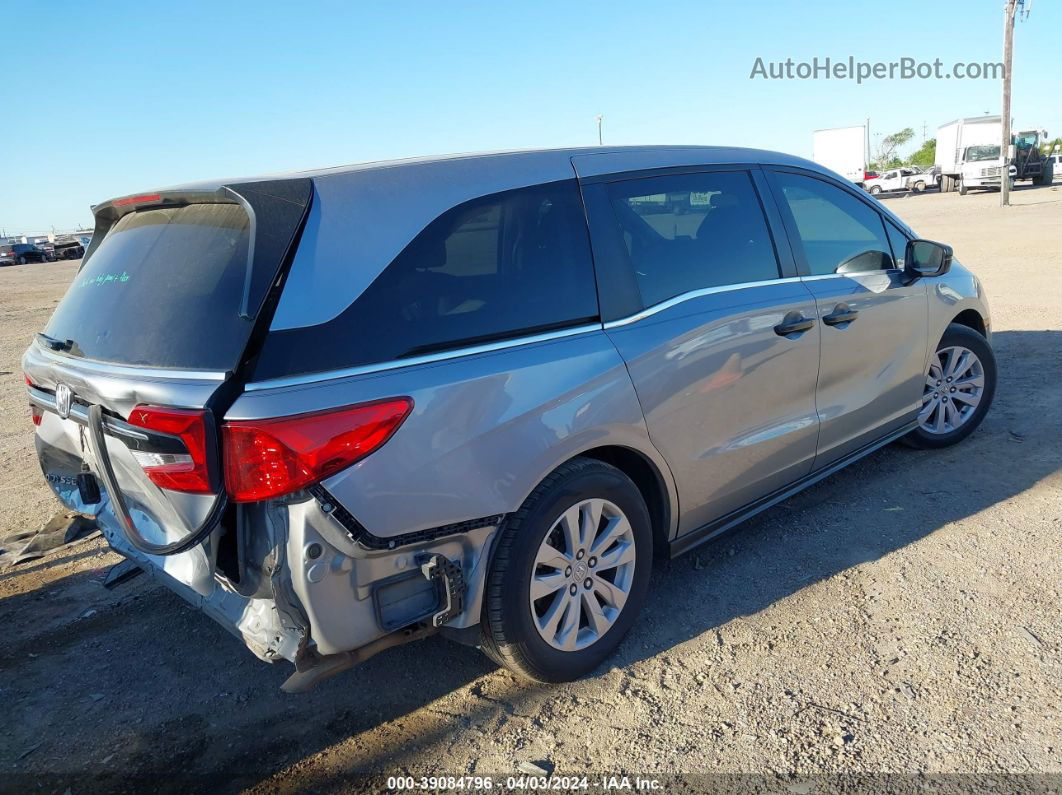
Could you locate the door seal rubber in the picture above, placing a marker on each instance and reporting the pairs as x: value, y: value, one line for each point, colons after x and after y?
x: 361, y: 535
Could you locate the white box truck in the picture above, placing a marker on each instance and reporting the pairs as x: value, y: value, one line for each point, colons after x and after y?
x: 844, y: 150
x: 955, y: 137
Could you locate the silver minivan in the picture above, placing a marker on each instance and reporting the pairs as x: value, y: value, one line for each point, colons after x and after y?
x: 341, y: 410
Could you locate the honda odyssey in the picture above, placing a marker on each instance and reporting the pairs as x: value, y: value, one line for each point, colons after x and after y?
x: 344, y: 409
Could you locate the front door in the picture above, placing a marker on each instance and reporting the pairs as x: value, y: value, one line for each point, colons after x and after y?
x: 721, y: 342
x: 873, y: 319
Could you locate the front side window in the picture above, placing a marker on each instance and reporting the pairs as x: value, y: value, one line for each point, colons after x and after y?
x: 692, y: 231
x: 898, y: 241
x: 838, y: 232
x: 501, y: 266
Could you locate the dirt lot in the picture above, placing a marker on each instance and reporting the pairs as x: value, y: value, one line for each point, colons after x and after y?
x: 902, y: 616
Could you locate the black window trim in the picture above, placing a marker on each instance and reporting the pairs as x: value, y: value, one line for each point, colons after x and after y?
x: 618, y: 294
x: 789, y: 222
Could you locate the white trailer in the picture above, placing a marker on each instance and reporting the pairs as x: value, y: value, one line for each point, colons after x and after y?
x: 844, y: 150
x: 956, y: 137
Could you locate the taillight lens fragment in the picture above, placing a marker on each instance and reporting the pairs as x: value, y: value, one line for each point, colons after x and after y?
x: 268, y: 458
x: 187, y: 472
x: 36, y: 414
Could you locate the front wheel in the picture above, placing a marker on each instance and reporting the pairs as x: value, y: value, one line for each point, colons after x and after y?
x: 959, y: 385
x: 569, y: 574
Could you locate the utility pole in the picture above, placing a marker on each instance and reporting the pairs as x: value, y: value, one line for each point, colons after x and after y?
x: 600, y: 118
x: 866, y: 157
x: 1008, y: 59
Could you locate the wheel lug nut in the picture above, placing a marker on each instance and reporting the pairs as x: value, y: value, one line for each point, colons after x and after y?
x: 588, y: 584
x: 568, y: 572
x: 573, y: 589
x: 592, y: 562
x: 579, y: 554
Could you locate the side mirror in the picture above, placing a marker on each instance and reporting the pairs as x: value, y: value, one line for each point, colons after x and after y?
x: 927, y: 258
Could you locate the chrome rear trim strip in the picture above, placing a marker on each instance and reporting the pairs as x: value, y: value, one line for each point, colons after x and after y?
x: 126, y: 370
x: 679, y: 299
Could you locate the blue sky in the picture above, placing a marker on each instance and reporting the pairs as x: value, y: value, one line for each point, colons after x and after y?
x: 141, y: 95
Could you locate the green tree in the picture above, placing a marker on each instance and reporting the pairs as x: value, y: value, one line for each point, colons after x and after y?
x: 890, y: 144
x: 926, y: 156
x: 1048, y: 147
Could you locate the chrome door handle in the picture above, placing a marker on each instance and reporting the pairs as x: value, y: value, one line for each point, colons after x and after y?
x: 841, y: 314
x: 792, y: 324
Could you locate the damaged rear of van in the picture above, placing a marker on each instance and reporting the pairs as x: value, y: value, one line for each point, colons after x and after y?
x: 306, y: 403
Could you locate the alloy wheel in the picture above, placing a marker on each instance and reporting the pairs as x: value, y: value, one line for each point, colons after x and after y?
x: 955, y: 383
x: 583, y: 574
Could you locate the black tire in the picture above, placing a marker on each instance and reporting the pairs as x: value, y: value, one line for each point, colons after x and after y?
x: 509, y: 635
x: 919, y: 186
x: 962, y: 187
x: 875, y: 190
x: 967, y: 338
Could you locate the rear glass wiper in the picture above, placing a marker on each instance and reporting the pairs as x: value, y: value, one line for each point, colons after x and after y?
x: 66, y: 346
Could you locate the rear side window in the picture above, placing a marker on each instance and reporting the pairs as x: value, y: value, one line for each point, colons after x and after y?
x: 501, y: 266
x: 163, y: 289
x: 838, y: 232
x: 691, y: 231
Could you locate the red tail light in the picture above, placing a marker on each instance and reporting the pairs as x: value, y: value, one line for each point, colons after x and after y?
x: 186, y: 472
x: 269, y: 458
x: 36, y: 414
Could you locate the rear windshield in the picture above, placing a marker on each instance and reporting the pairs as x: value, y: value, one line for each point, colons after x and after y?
x: 163, y: 289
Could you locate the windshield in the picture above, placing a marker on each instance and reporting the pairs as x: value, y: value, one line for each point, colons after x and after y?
x: 982, y: 153
x: 163, y: 289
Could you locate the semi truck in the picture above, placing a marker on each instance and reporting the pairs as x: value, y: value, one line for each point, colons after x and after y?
x: 969, y: 155
x: 844, y: 150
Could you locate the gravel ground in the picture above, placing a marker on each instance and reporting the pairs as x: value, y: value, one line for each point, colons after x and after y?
x: 902, y: 616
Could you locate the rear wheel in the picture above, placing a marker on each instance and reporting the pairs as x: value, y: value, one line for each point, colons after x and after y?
x: 875, y: 190
x: 569, y: 574
x: 959, y: 386
x: 919, y: 187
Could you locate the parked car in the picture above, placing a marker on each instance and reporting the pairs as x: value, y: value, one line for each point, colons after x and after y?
x: 27, y: 252
x: 7, y: 254
x: 898, y: 179
x: 69, y: 250
x: 535, y: 372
